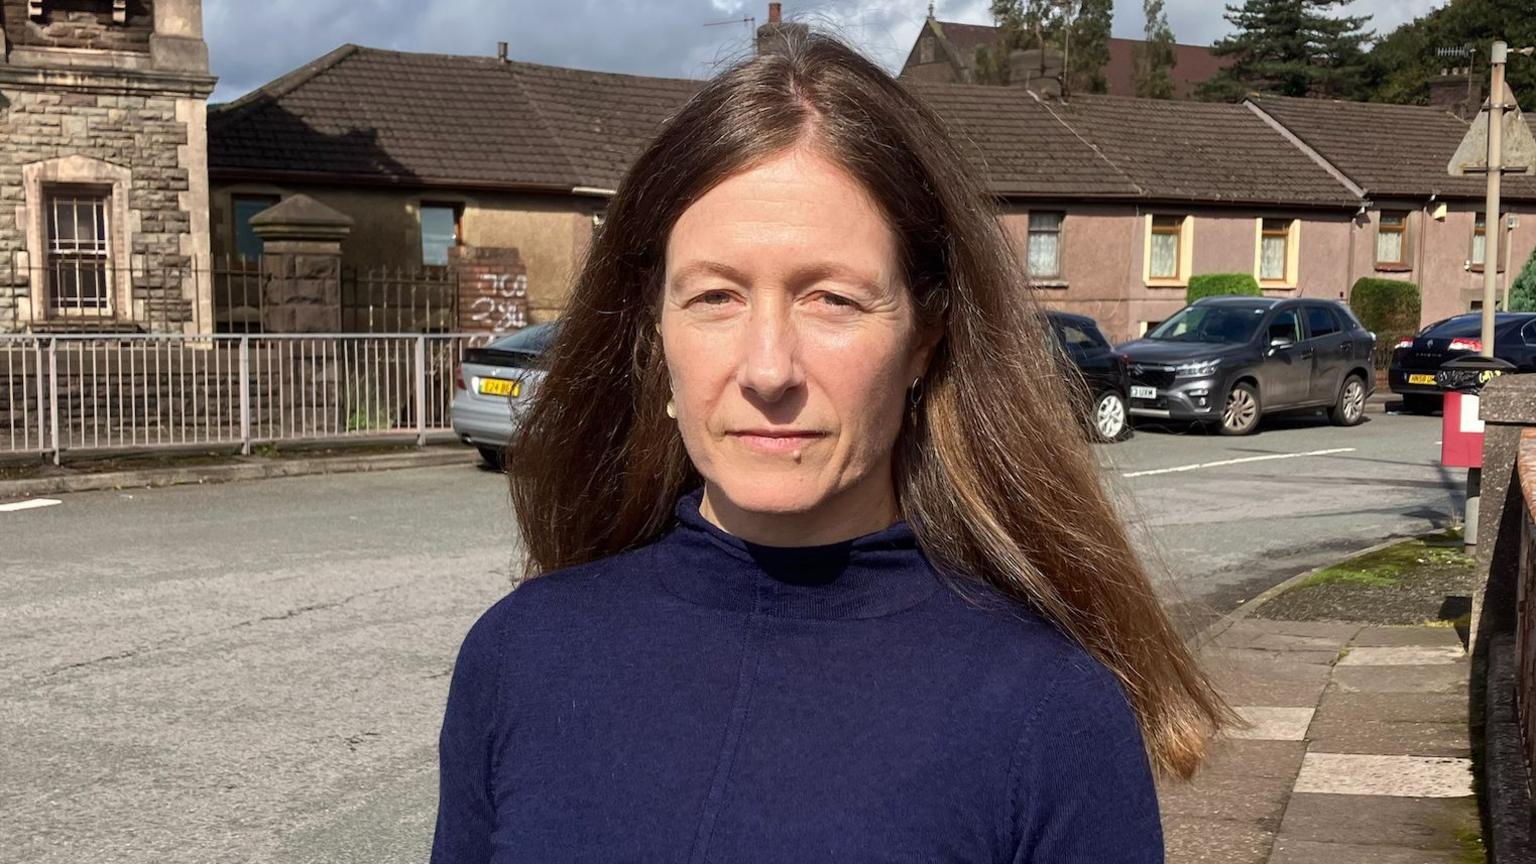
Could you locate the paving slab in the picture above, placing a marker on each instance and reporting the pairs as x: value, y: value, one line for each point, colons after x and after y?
x: 1378, y: 820
x: 1264, y: 680
x: 1307, y: 852
x: 1214, y: 841
x: 1403, y: 655
x: 1393, y: 707
x: 1323, y: 629
x: 1284, y: 655
x: 1251, y: 800
x: 1388, y: 636
x: 1397, y: 776
x: 1278, y: 759
x: 1273, y: 724
x: 1375, y: 736
x: 1441, y: 678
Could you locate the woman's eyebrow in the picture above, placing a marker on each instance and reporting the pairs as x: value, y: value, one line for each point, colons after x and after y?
x: 694, y: 269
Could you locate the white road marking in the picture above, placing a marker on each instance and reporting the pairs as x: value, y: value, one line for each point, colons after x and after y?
x: 1271, y: 457
x: 32, y: 504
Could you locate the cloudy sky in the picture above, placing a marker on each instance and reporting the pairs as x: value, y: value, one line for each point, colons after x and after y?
x: 252, y: 43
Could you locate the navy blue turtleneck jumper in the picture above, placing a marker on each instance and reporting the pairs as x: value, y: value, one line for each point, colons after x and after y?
x: 705, y: 699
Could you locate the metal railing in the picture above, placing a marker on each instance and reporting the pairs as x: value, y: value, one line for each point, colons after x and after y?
x: 231, y: 297
x: 81, y: 393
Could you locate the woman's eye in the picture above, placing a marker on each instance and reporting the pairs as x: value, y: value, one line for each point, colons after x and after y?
x: 713, y: 298
x: 837, y: 300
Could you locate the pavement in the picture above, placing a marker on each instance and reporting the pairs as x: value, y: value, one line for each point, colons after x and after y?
x: 1357, y: 750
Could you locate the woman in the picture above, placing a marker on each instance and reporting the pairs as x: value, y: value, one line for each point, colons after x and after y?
x: 824, y: 570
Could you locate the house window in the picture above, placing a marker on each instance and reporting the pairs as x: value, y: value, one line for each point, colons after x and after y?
x: 1275, y: 250
x: 1045, y: 244
x: 78, y: 275
x: 925, y: 50
x: 1479, y: 240
x: 1167, y: 247
x: 439, y: 233
x: 247, y: 244
x: 1391, y: 238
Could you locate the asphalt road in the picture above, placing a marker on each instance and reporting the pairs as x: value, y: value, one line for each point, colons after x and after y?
x: 255, y: 672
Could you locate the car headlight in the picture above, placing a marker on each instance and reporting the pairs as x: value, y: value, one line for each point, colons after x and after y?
x: 1198, y: 369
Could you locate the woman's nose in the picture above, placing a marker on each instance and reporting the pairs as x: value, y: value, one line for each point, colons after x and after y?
x: 769, y: 364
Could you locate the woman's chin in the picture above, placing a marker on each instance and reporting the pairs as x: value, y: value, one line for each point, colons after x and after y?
x: 775, y: 495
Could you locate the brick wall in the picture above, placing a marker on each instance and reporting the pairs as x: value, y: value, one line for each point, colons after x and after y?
x: 493, y: 288
x: 79, y: 24
x: 140, y: 132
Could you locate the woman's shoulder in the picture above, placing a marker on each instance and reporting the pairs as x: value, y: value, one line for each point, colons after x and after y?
x: 554, y: 602
x: 1001, y: 636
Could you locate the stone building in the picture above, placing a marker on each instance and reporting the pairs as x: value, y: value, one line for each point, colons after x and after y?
x: 103, y: 166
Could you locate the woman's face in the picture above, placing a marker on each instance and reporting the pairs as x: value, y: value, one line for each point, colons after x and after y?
x: 790, y: 339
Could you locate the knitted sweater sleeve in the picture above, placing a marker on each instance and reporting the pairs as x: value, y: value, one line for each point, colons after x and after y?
x: 467, y: 747
x: 1083, y: 786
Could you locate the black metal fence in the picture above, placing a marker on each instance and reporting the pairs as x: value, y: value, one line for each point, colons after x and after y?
x: 234, y: 296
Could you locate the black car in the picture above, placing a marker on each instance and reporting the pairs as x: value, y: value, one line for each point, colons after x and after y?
x: 1414, y: 361
x: 1100, y: 386
x: 1231, y: 360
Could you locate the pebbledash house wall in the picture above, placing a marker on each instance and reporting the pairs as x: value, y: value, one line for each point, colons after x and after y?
x: 119, y: 106
x: 552, y: 233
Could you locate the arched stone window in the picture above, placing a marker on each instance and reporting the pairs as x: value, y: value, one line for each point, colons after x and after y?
x: 78, y: 230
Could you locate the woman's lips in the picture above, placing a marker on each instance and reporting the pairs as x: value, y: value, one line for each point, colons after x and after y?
x: 768, y: 441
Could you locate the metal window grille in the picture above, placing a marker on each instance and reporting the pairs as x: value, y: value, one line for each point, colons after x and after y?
x: 78, y: 280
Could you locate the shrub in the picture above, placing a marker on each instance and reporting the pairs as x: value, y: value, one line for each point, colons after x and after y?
x: 1522, y: 291
x: 1222, y: 285
x: 1389, y: 308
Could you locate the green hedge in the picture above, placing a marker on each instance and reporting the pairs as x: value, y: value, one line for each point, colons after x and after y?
x: 1222, y: 285
x: 1389, y: 308
x: 1522, y: 292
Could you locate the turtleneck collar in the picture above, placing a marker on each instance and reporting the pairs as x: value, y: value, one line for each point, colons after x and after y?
x: 866, y: 577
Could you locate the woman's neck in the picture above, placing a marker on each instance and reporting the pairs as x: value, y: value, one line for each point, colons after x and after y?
x: 854, y: 512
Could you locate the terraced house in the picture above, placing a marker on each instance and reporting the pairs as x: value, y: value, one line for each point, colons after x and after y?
x: 1113, y: 202
x: 103, y: 166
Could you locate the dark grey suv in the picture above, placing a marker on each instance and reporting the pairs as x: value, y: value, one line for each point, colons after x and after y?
x: 1231, y: 360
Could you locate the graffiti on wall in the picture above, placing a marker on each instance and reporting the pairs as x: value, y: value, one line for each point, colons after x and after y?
x: 502, y: 302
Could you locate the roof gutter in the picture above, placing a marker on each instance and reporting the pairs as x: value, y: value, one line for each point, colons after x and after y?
x: 596, y: 191
x: 254, y: 175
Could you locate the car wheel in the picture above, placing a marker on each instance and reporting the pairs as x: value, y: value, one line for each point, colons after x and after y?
x: 1110, y: 420
x: 491, y: 456
x: 1241, y: 414
x: 1350, y: 409
x: 1420, y: 404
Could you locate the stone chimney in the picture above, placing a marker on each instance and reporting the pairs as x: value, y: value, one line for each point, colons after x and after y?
x: 1456, y: 91
x: 776, y: 32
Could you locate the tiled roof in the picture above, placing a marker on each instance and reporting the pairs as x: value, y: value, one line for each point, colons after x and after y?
x: 1020, y: 147
x: 422, y: 119
x: 1388, y: 150
x: 1201, y: 151
x: 966, y: 38
x: 438, y: 119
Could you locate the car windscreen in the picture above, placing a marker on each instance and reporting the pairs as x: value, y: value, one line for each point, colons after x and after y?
x: 533, y: 339
x: 1233, y: 325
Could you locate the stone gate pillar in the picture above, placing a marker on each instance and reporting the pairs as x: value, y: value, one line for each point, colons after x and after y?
x: 301, y: 265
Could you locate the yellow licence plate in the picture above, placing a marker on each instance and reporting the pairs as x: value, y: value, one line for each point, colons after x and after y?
x: 1421, y: 379
x: 500, y: 387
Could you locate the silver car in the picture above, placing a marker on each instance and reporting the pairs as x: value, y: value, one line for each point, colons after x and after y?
x: 493, y: 385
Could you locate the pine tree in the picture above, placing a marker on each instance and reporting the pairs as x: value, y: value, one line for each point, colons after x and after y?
x: 1077, y: 28
x: 1522, y: 291
x: 1291, y: 48
x: 1403, y: 62
x: 1155, y: 58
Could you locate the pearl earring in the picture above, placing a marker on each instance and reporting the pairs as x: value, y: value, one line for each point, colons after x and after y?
x: 671, y: 409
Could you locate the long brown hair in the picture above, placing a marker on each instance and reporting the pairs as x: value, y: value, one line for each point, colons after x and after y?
x: 993, y: 471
